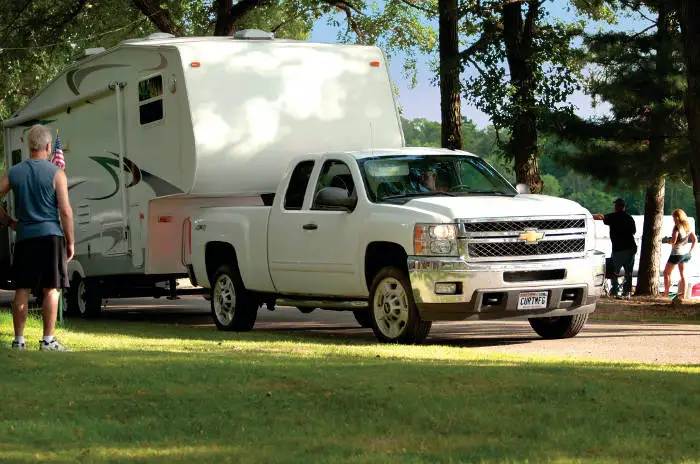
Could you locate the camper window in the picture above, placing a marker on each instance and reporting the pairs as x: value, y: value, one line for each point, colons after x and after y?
x: 151, y: 100
x: 294, y: 199
x: 16, y: 156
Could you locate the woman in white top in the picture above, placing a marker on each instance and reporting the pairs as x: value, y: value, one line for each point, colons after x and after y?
x: 682, y: 243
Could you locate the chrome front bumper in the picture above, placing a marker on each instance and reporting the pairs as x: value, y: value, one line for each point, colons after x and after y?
x: 491, y: 290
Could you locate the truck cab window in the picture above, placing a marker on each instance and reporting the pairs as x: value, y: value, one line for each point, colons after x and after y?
x: 151, y: 100
x: 334, y: 174
x: 294, y: 199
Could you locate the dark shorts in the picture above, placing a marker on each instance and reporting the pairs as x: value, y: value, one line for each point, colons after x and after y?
x: 41, y: 263
x: 677, y: 259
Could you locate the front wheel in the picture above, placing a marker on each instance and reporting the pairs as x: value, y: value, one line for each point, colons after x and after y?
x: 393, y: 312
x: 232, y: 306
x: 558, y: 327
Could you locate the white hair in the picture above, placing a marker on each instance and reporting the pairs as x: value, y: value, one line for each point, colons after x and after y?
x: 38, y: 137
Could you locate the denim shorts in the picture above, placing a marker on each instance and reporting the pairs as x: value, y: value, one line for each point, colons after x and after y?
x: 677, y: 259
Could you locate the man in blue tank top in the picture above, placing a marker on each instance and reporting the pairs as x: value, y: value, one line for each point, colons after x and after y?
x: 45, y: 242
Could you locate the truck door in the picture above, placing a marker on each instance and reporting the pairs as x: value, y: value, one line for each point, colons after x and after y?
x: 314, y: 251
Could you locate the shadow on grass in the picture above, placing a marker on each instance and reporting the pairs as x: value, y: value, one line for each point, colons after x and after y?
x: 252, y: 405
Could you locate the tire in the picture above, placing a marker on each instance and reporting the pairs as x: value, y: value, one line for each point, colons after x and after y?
x: 233, y: 308
x: 552, y: 328
x: 84, y: 298
x: 363, y: 317
x: 392, y: 310
x: 304, y: 310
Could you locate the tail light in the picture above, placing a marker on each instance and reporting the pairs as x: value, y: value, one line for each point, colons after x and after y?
x: 186, y: 253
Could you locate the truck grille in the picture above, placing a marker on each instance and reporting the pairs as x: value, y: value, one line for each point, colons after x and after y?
x: 542, y: 224
x: 505, y: 239
x: 552, y: 247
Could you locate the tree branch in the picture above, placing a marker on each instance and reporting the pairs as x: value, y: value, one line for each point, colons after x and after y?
x: 491, y: 32
x: 349, y: 9
x: 160, y: 18
x: 418, y: 7
x: 294, y: 18
x: 476, y: 65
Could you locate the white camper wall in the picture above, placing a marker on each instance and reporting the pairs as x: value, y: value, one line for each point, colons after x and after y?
x: 257, y: 104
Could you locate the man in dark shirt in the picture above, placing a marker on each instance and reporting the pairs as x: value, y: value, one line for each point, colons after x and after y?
x: 624, y: 247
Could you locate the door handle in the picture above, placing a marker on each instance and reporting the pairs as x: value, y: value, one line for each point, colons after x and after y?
x: 309, y: 227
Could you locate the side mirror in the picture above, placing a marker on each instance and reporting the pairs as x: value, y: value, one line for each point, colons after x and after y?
x: 522, y: 188
x: 334, y: 198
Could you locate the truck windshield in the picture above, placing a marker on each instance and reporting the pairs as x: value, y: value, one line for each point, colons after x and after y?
x: 403, y: 177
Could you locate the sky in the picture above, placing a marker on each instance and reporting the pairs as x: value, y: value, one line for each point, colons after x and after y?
x: 423, y: 100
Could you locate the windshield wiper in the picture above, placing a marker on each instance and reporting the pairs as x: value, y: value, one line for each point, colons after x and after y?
x: 488, y: 192
x: 418, y: 194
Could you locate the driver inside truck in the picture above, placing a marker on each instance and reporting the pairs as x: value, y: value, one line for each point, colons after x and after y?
x: 428, y: 181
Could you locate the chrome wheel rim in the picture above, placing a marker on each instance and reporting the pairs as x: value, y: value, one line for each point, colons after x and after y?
x: 82, y: 305
x: 224, y: 299
x: 390, y: 308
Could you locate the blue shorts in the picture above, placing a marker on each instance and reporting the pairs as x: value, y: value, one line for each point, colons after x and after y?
x: 677, y: 259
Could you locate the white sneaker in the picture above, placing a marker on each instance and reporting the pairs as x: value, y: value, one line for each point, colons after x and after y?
x: 53, y: 345
x: 19, y: 346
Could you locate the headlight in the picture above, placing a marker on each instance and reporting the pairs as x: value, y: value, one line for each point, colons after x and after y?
x: 435, y: 240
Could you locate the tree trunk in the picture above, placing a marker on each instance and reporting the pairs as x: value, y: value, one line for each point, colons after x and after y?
x: 159, y: 17
x: 518, y: 38
x: 648, y: 276
x: 649, y: 269
x: 690, y: 28
x: 223, y: 25
x: 229, y: 14
x: 450, y: 93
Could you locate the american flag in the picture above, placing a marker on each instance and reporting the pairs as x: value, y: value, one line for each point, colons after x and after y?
x: 57, y: 158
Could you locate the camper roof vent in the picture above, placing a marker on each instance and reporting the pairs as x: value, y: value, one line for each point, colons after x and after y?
x: 88, y: 52
x: 253, y: 34
x: 159, y: 36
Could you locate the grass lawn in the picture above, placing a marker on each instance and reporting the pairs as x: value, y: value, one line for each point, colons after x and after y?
x: 163, y: 393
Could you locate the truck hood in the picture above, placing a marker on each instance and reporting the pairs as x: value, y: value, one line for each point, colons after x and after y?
x: 468, y: 207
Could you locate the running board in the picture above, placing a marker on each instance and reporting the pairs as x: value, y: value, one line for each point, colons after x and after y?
x: 324, y: 304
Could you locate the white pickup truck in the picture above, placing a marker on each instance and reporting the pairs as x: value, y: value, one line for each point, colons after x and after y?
x: 401, y: 237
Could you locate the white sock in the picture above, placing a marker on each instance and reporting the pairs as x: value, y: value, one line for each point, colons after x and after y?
x: 19, y: 339
x: 48, y: 338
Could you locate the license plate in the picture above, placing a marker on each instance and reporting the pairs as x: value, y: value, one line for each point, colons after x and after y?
x: 532, y: 300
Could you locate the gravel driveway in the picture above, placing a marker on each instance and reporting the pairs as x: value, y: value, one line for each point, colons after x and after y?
x: 605, y: 340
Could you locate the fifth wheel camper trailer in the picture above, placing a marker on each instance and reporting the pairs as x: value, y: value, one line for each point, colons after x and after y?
x: 155, y: 129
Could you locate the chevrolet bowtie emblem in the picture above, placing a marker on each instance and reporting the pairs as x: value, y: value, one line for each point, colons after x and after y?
x: 531, y: 236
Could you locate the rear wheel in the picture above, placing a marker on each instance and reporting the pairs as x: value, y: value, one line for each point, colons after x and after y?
x: 558, y: 327
x: 393, y: 312
x: 84, y: 298
x: 232, y: 306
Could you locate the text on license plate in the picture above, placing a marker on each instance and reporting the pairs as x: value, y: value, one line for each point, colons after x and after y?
x: 532, y: 300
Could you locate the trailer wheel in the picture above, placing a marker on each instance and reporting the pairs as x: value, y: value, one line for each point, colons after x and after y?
x: 558, y: 327
x: 363, y: 317
x: 232, y: 306
x: 84, y: 298
x: 393, y: 312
